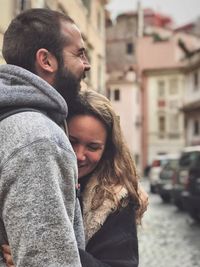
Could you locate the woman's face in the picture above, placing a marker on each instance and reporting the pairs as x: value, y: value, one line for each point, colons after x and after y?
x: 88, y: 137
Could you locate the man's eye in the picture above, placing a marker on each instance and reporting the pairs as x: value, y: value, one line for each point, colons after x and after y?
x: 82, y: 54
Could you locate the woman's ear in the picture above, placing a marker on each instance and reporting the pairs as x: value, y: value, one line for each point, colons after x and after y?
x: 45, y: 61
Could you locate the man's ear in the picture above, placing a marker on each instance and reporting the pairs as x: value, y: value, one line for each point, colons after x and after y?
x: 45, y: 61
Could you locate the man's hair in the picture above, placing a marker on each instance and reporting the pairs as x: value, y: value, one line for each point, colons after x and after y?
x: 31, y: 30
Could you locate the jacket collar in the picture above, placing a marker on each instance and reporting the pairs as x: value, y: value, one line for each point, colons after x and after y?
x: 94, y: 219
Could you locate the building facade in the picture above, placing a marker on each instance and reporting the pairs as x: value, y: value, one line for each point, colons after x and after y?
x: 124, y: 94
x: 191, y: 99
x: 122, y: 84
x: 164, y: 132
x: 162, y: 74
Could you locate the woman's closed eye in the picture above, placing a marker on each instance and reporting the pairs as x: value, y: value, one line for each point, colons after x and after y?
x: 90, y: 146
x: 94, y: 147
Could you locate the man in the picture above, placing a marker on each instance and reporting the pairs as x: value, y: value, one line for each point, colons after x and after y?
x: 46, y: 61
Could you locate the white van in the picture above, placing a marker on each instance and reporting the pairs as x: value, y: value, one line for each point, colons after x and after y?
x: 156, y: 167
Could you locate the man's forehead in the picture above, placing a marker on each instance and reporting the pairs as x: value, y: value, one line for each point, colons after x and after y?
x: 70, y: 30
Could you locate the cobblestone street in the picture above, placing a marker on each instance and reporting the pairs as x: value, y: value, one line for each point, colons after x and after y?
x: 168, y: 237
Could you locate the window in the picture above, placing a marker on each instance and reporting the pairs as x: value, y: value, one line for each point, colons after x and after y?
x: 174, y: 122
x: 161, y: 89
x: 173, y: 87
x: 137, y: 159
x: 108, y: 93
x: 161, y: 104
x: 129, y: 48
x: 87, y: 4
x: 196, y: 127
x: 174, y: 127
x: 190, y: 159
x: 161, y: 126
x: 195, y: 80
x: 24, y: 4
x: 116, y: 94
x: 99, y: 21
x: 138, y: 121
x: 99, y: 70
x: 89, y: 57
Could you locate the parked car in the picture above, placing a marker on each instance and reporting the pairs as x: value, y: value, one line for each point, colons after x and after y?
x: 154, y: 173
x: 186, y: 188
x: 167, y: 174
x: 191, y: 193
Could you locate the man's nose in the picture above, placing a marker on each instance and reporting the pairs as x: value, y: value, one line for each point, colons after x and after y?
x: 87, y: 66
x: 86, y: 63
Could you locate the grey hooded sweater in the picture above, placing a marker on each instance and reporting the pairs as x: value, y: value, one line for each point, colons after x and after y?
x: 38, y: 174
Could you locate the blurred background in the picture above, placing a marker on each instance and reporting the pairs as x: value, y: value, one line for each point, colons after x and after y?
x: 145, y: 57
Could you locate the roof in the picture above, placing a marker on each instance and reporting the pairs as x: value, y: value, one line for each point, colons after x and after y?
x: 150, y: 17
x: 163, y: 54
x: 185, y: 27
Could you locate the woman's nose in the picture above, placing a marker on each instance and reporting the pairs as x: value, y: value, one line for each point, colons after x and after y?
x: 80, y: 153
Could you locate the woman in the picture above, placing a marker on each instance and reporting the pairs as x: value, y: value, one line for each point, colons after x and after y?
x: 110, y: 197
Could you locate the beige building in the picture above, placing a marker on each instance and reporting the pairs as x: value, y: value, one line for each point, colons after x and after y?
x: 164, y: 123
x: 89, y: 15
x: 163, y: 80
x: 191, y: 99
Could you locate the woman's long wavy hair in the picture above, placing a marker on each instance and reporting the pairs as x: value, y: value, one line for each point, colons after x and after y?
x: 116, y: 167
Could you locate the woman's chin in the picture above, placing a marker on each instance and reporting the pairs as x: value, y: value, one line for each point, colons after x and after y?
x: 81, y: 174
x: 84, y: 172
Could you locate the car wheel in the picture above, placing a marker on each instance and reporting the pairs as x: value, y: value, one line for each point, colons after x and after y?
x: 195, y: 215
x: 179, y: 205
x: 152, y: 189
x: 165, y: 198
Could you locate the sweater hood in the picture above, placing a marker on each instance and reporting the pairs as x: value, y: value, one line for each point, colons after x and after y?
x: 22, y: 88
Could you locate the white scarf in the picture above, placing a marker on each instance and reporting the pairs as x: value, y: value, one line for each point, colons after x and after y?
x: 94, y: 219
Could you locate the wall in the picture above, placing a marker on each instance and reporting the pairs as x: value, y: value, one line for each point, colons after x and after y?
x: 172, y: 139
x: 129, y: 110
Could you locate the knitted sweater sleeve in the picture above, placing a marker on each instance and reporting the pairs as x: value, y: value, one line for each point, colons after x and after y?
x: 37, y: 195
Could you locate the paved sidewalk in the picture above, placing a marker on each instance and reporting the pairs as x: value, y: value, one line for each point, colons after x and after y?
x: 168, y: 237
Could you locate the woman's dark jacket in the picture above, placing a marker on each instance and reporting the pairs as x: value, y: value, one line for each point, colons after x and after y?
x: 115, y: 244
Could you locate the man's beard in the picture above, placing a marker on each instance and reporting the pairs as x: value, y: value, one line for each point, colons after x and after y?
x: 67, y: 85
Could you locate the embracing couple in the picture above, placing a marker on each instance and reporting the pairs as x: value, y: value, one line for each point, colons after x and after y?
x: 49, y: 167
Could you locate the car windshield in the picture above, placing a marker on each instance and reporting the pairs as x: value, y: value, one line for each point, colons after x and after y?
x: 190, y: 159
x: 171, y: 164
